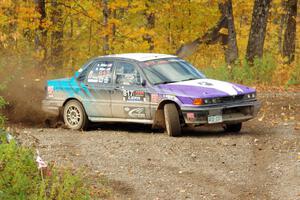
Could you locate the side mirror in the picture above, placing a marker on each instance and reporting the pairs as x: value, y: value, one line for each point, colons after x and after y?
x: 144, y: 82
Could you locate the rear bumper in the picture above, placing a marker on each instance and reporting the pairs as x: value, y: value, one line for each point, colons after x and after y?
x: 52, y: 107
x: 231, y: 113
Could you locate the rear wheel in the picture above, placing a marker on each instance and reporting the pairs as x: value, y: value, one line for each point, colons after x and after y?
x: 74, y: 116
x: 172, y: 121
x: 233, y: 127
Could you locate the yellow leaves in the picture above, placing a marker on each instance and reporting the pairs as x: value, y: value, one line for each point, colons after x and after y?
x: 113, y: 5
x: 93, y: 13
x: 166, y: 6
x: 3, y: 37
x: 224, y: 31
x: 283, y: 72
x: 3, y: 40
x: 114, y: 21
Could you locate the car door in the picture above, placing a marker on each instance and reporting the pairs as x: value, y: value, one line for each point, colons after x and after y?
x: 99, y: 83
x: 130, y: 99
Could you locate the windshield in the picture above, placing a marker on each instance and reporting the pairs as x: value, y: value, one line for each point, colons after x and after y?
x: 169, y: 71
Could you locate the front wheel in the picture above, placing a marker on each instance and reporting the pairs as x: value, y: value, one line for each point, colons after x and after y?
x: 74, y: 116
x: 172, y: 121
x: 233, y: 127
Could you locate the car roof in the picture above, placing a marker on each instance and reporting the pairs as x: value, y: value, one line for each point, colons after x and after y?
x: 140, y: 56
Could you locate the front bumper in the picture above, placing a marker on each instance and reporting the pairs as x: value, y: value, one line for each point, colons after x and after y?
x: 52, y: 107
x: 229, y: 113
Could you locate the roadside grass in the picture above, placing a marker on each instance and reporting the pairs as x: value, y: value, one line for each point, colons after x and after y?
x: 267, y: 71
x: 20, y: 178
x: 295, y: 76
x: 2, y: 118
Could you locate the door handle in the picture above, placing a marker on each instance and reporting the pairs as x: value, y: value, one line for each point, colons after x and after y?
x: 119, y: 88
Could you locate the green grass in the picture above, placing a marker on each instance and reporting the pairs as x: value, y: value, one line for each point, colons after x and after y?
x: 2, y: 118
x: 295, y: 77
x: 261, y: 71
x: 20, y: 179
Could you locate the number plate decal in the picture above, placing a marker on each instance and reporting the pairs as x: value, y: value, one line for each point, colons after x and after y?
x: 214, y: 119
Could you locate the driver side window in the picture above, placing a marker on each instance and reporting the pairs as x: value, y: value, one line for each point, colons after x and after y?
x: 127, y: 74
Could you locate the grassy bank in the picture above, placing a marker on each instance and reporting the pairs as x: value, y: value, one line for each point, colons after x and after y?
x: 20, y: 178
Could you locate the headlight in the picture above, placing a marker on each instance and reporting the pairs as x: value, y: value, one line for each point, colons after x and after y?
x: 211, y: 101
x: 250, y: 96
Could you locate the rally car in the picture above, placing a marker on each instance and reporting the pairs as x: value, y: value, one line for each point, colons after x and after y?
x: 158, y: 89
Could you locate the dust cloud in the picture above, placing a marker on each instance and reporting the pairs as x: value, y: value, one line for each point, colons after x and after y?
x: 24, y: 92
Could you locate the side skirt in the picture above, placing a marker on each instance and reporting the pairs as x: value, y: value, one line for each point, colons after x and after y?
x: 140, y: 121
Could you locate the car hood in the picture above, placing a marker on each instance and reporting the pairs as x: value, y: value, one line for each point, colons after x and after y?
x: 203, y: 88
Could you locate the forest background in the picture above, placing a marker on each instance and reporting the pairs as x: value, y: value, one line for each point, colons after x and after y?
x: 55, y: 37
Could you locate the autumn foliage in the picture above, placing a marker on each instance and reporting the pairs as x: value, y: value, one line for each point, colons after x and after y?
x: 59, y: 36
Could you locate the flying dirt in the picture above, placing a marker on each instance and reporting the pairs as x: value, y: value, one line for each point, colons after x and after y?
x: 24, y: 92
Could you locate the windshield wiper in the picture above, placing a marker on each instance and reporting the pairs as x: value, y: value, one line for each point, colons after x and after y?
x: 189, y: 79
x: 165, y: 82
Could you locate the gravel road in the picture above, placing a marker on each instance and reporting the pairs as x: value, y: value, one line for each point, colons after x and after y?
x: 261, y: 162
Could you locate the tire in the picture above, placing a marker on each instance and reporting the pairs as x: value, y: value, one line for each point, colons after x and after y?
x: 235, y: 128
x: 173, y: 127
x: 74, y: 116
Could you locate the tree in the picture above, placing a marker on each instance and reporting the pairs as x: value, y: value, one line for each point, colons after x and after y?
x: 150, y: 17
x: 289, y: 30
x: 41, y: 33
x: 215, y: 35
x: 231, y: 50
x: 105, y: 12
x: 57, y: 34
x: 257, y: 34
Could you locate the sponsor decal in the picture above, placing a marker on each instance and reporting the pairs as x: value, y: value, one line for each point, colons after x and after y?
x: 155, y: 98
x: 160, y: 62
x: 135, y: 112
x: 133, y: 96
x: 190, y: 116
x: 100, y: 74
x: 139, y: 93
x: 203, y: 84
x: 170, y: 96
x: 50, y: 91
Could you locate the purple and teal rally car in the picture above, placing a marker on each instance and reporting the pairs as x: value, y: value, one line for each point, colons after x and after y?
x: 158, y: 89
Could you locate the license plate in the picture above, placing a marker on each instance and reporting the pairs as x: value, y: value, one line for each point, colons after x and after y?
x: 214, y: 119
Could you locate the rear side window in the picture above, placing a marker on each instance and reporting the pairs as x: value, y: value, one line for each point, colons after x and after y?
x: 101, y: 73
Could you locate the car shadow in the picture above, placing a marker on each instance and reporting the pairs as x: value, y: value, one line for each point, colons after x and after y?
x: 208, y: 131
x: 128, y: 127
x: 203, y: 131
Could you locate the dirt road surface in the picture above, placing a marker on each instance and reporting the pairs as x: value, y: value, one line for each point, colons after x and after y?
x: 261, y: 162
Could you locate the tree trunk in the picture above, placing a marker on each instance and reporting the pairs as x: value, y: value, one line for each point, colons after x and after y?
x: 41, y: 33
x: 105, y: 12
x: 258, y: 29
x: 231, y: 50
x: 113, y: 31
x: 12, y: 14
x: 213, y: 35
x: 57, y: 35
x: 289, y: 36
x: 281, y: 26
x: 150, y: 17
